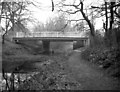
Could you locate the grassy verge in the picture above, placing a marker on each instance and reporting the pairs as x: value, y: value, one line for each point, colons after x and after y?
x: 27, y: 53
x: 16, y: 55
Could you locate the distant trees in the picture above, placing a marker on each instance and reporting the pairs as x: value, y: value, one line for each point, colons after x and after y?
x: 80, y: 26
x: 39, y: 27
x: 58, y: 24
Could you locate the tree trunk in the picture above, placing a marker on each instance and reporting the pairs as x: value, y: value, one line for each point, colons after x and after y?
x: 12, y: 82
x: 109, y: 33
x: 112, y: 15
x: 4, y: 75
x: 91, y: 26
x: 6, y: 29
x: 3, y: 37
x: 92, y: 30
x: 106, y: 26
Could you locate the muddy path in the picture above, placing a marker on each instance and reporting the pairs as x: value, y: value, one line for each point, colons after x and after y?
x: 89, y: 76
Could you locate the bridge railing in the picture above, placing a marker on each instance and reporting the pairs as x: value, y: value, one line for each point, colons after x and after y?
x: 50, y: 34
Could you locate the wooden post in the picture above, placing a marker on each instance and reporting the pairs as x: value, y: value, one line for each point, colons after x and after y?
x: 46, y: 47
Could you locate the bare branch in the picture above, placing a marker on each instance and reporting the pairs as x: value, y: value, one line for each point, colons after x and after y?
x: 69, y: 11
x: 117, y: 14
x: 52, y: 5
x: 73, y: 12
x: 76, y: 20
x: 88, y: 21
x: 75, y: 6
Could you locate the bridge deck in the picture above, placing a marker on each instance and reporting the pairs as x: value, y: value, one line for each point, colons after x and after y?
x: 51, y: 38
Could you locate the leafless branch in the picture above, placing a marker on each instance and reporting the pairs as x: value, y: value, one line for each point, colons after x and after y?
x: 69, y: 11
x: 117, y: 14
x: 76, y: 20
x: 52, y: 5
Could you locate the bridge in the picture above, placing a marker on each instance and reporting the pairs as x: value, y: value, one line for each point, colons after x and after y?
x: 47, y: 37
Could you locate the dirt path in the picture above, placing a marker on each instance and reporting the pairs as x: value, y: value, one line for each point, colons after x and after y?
x: 90, y: 77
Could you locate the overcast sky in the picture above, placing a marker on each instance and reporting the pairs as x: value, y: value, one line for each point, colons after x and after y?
x: 44, y: 12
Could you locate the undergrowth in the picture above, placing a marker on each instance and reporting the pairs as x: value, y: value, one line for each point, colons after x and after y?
x: 107, y: 58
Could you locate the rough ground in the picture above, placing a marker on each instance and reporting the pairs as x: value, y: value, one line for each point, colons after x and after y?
x: 90, y: 77
x: 58, y: 71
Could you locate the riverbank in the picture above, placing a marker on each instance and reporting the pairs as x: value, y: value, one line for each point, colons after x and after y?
x: 64, y: 70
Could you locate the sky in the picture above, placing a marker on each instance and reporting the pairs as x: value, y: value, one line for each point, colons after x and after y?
x: 44, y: 12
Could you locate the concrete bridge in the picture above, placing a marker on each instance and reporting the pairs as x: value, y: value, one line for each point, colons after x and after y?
x: 47, y: 37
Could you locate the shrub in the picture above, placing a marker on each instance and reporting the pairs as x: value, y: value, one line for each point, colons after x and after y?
x: 106, y: 57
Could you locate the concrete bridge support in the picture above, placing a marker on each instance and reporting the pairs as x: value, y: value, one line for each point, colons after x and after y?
x: 46, y: 47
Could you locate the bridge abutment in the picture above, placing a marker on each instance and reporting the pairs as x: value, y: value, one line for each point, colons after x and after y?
x: 46, y: 47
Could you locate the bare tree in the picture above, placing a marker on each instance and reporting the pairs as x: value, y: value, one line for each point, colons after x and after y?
x: 13, y: 12
x: 78, y: 8
x: 39, y: 27
x: 57, y: 24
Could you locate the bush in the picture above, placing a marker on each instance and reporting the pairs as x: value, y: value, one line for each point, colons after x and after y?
x: 106, y: 57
